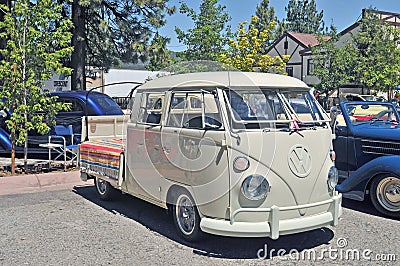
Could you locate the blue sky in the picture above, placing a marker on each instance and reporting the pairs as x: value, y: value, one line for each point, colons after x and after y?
x: 341, y: 13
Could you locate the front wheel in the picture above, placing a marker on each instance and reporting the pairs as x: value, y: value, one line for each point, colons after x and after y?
x: 385, y: 195
x: 186, y: 218
x: 104, y: 189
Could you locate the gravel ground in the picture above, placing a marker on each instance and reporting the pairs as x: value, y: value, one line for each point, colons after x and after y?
x: 75, y: 228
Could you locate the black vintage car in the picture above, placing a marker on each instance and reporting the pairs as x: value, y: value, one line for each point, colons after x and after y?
x: 367, y: 146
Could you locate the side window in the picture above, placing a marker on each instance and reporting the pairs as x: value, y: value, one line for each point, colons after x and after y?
x: 75, y: 106
x: 151, y: 108
x: 186, y: 111
x: 177, y: 109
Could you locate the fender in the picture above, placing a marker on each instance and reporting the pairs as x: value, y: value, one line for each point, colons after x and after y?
x: 357, y: 182
x: 5, y: 142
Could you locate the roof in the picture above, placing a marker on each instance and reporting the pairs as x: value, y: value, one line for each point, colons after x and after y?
x: 307, y: 40
x: 76, y: 94
x: 224, y: 79
x: 391, y: 18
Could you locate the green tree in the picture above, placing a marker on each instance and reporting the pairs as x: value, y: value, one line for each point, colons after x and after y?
x: 210, y: 33
x: 370, y: 58
x: 110, y: 32
x: 160, y: 57
x: 302, y: 16
x: 378, y: 54
x: 266, y: 15
x: 245, y: 53
x: 38, y: 39
x: 332, y: 65
x: 2, y: 13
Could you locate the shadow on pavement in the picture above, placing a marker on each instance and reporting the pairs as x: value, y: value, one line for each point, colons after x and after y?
x: 364, y: 207
x: 157, y: 219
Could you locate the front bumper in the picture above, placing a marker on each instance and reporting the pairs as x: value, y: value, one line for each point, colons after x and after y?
x: 275, y: 227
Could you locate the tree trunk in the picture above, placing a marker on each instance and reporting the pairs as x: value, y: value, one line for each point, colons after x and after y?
x: 78, y: 58
x: 12, y: 154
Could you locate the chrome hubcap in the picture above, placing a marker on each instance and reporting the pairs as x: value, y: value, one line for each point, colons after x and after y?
x: 185, y: 214
x: 388, y: 193
x: 101, y: 186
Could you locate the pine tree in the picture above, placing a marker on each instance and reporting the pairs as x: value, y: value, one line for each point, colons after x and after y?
x: 111, y: 32
x: 302, y: 16
x: 160, y: 57
x: 266, y: 15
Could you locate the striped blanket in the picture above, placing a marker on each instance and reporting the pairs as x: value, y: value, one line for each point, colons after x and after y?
x: 101, y: 157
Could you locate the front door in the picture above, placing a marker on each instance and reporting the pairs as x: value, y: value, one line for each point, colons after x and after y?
x: 194, y: 150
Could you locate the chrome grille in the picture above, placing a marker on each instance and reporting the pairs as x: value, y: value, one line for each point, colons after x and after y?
x: 380, y: 147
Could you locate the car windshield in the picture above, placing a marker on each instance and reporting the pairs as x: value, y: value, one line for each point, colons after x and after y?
x: 371, y: 113
x: 252, y: 105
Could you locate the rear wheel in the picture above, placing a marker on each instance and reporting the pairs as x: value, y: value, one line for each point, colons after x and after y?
x: 185, y: 216
x: 385, y: 195
x: 104, y: 189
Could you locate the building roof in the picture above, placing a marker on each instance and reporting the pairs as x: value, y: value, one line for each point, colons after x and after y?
x: 308, y: 40
x: 391, y: 18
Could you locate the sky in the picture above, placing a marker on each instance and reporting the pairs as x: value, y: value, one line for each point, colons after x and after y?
x: 340, y: 13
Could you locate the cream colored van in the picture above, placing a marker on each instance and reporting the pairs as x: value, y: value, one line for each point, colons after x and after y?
x: 228, y: 153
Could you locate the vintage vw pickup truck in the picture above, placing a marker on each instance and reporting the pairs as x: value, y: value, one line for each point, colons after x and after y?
x: 367, y: 147
x: 227, y: 153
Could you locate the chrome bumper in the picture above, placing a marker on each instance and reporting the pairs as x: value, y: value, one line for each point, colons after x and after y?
x: 275, y: 227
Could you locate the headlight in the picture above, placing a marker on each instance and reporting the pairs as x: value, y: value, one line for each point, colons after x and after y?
x: 241, y: 163
x: 333, y: 177
x: 255, y: 187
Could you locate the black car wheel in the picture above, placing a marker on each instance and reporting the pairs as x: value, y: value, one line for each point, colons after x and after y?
x: 385, y: 195
x: 185, y: 217
x: 104, y: 189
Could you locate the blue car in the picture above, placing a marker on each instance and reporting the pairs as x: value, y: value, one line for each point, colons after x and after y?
x: 82, y: 103
x: 367, y: 147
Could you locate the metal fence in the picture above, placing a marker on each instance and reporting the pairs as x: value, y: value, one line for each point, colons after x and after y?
x: 123, y: 102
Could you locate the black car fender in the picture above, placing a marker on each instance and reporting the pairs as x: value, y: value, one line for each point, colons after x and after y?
x: 357, y: 182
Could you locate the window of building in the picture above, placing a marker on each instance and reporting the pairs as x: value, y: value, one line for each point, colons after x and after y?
x: 310, y: 67
x: 289, y: 71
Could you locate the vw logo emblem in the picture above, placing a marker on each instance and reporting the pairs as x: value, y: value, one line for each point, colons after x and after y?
x: 299, y: 160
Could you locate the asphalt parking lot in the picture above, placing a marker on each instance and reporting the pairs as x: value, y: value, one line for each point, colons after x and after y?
x: 56, y: 219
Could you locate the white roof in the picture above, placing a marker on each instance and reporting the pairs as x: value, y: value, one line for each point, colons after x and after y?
x: 225, y: 79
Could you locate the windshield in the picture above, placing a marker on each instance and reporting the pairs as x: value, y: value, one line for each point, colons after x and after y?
x: 371, y: 113
x: 251, y: 105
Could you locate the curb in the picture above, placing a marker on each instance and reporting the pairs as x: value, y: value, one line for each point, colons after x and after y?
x: 21, y: 184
